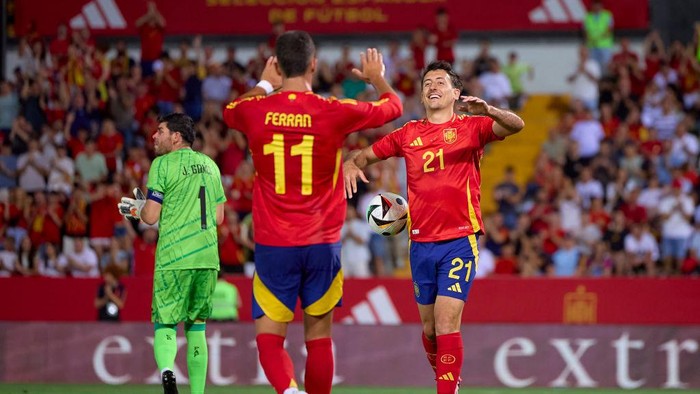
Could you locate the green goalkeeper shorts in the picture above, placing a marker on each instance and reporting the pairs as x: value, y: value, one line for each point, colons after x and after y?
x: 182, y: 295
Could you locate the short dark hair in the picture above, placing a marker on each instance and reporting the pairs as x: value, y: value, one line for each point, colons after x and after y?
x: 179, y: 123
x: 447, y: 67
x: 295, y: 49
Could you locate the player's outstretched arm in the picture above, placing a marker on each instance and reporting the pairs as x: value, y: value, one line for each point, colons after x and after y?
x: 505, y: 122
x: 372, y: 71
x: 352, y: 168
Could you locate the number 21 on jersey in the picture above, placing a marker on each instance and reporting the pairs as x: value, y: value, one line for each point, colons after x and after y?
x: 276, y: 148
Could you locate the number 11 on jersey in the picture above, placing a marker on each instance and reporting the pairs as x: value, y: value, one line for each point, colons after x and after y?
x: 304, y: 149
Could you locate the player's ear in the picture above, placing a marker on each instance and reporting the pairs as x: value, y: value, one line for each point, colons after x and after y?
x: 314, y: 62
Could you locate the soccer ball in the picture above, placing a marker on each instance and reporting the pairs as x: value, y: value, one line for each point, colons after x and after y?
x: 387, y: 214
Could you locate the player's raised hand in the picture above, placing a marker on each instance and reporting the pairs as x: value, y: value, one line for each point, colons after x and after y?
x: 350, y: 174
x: 271, y: 73
x: 372, y: 66
x: 473, y: 105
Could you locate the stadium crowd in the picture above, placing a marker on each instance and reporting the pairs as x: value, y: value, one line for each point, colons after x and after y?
x: 613, y: 194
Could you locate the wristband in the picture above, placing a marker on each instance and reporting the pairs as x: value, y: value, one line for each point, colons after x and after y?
x: 266, y: 86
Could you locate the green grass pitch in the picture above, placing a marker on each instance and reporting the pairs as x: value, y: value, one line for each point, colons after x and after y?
x: 26, y: 388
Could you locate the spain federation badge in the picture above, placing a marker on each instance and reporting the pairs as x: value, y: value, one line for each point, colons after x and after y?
x: 449, y: 135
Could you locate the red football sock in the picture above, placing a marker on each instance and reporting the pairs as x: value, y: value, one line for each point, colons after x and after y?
x: 275, y: 361
x: 449, y: 362
x: 430, y: 347
x: 319, y: 366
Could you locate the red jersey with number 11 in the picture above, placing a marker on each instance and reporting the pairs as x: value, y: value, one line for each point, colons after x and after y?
x: 296, y: 139
x: 443, y: 169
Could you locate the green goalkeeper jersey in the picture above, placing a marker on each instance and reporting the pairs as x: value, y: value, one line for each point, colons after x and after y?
x: 188, y: 185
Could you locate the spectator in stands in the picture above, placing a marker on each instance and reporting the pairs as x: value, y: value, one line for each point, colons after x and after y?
x: 111, y: 144
x: 487, y: 260
x: 9, y: 106
x: 642, y: 251
x: 675, y: 211
x: 496, y: 85
x: 354, y: 254
x: 598, y: 27
x: 665, y: 117
x: 588, y: 134
x: 216, y: 87
x: 8, y: 258
x: 111, y: 295
x: 83, y: 261
x: 166, y: 83
x: 615, y: 235
x: 584, y: 80
x: 50, y: 262
x: 508, y: 195
x: 444, y: 36
x: 91, y: 164
x: 145, y: 251
x: 103, y: 216
x: 27, y: 254
x: 32, y: 168
x: 417, y: 46
x: 684, y: 146
x: 8, y: 167
x: 506, y: 263
x: 516, y: 70
x: 566, y: 261
x: 226, y: 301
x: 588, y: 188
x: 484, y: 59
x: 151, y: 26
x: 599, y: 263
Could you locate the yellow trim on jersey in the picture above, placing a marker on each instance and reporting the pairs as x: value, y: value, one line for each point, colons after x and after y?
x: 336, y: 172
x: 348, y: 101
x: 271, y: 306
x: 235, y: 103
x: 329, y: 300
x: 475, y: 251
x: 472, y: 212
x: 379, y: 102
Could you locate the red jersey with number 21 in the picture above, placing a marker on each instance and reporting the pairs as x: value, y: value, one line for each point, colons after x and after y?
x: 296, y: 140
x: 443, y: 169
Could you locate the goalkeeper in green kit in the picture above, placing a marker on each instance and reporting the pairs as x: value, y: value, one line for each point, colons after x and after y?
x: 186, y: 195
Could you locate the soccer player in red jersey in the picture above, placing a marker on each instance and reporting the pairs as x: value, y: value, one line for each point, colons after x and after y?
x: 296, y: 139
x: 443, y: 155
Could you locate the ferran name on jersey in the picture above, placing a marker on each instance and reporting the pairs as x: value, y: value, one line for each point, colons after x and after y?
x: 282, y: 119
x: 196, y: 169
x: 449, y: 135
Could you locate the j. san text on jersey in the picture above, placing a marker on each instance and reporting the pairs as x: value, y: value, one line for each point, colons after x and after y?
x: 296, y: 139
x: 443, y: 168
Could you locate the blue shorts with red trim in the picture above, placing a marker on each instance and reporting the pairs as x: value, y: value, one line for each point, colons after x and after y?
x: 285, y: 274
x: 445, y: 268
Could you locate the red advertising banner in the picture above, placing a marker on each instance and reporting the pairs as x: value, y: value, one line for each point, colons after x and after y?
x: 391, y: 301
x: 254, y: 17
x: 495, y: 355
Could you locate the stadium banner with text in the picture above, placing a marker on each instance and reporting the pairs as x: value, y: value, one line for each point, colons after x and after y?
x: 254, y: 17
x: 391, y: 301
x: 495, y: 355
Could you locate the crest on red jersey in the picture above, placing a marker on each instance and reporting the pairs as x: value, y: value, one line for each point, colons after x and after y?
x: 449, y: 135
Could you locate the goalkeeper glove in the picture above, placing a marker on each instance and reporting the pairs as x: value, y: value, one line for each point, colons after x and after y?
x: 131, y: 208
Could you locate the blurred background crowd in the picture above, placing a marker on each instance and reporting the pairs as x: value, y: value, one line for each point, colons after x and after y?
x: 614, y: 193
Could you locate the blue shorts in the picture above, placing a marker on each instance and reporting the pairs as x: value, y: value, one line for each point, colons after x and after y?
x: 285, y: 274
x: 445, y: 268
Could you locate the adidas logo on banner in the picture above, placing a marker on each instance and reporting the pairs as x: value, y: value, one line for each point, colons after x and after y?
x: 455, y: 287
x: 377, y: 309
x: 447, y: 376
x: 417, y: 142
x: 99, y: 14
x: 558, y: 11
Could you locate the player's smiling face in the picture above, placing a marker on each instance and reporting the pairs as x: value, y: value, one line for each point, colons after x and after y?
x: 162, y: 139
x: 437, y: 90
